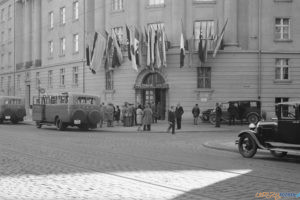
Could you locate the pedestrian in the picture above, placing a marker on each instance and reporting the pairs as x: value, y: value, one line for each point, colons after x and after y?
x: 102, y: 114
x: 147, y: 118
x: 196, y: 113
x: 178, y: 113
x: 233, y: 113
x: 117, y: 114
x: 109, y: 114
x: 154, y: 114
x: 139, y: 117
x: 218, y: 115
x: 171, y: 120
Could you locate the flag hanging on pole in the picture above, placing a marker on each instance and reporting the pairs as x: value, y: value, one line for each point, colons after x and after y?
x: 132, y: 48
x: 182, y: 49
x: 98, y: 52
x: 220, y: 37
x: 128, y: 42
x: 157, y: 51
x: 137, y: 46
x: 200, y: 47
x: 163, y: 46
x: 117, y: 49
x: 149, y: 47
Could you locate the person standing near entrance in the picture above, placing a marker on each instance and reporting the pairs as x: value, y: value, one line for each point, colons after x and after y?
x: 139, y: 117
x: 171, y: 119
x: 196, y: 113
x: 218, y: 115
x: 147, y: 118
x: 178, y: 113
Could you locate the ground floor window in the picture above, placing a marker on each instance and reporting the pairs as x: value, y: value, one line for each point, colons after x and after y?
x: 204, y: 77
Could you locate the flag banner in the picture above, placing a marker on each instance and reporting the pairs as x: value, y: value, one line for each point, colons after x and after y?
x: 109, y: 53
x: 87, y: 55
x: 157, y: 51
x: 191, y: 45
x: 117, y: 49
x: 153, y: 33
x: 128, y: 42
x: 98, y: 54
x: 94, y: 44
x: 200, y: 48
x: 132, y: 48
x: 137, y: 46
x: 220, y: 38
x: 182, y: 46
x: 164, y: 56
x: 149, y: 47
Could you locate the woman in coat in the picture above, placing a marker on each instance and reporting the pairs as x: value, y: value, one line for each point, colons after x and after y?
x: 147, y: 118
x: 139, y: 117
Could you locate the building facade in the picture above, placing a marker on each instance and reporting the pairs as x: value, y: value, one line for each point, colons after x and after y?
x: 259, y: 59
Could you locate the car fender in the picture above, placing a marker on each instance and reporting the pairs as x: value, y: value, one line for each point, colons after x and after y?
x: 253, y: 136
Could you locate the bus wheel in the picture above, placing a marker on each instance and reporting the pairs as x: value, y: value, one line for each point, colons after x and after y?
x: 60, y: 125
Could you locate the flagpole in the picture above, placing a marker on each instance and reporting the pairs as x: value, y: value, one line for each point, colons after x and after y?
x: 84, y: 44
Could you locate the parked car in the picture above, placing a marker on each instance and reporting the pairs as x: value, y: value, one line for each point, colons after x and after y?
x: 247, y: 110
x: 67, y: 109
x: 279, y: 137
x: 12, y: 109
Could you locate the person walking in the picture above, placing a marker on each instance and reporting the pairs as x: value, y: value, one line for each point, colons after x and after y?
x: 218, y: 115
x: 196, y: 113
x: 139, y: 117
x: 147, y: 118
x: 178, y: 113
x: 171, y: 119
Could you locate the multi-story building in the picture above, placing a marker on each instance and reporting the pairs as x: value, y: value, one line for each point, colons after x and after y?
x: 259, y: 58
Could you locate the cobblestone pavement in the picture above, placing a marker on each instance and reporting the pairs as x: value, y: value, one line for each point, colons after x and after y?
x: 119, y: 163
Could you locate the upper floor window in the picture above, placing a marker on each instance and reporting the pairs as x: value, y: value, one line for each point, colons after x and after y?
x: 51, y: 20
x: 206, y: 29
x: 37, y: 80
x: 9, y: 59
x: 75, y: 43
x: 117, y: 5
x: 282, y: 29
x: 75, y: 77
x: 9, y: 34
x: 62, y: 77
x: 50, y: 79
x: 75, y: 10
x: 156, y: 2
x: 282, y: 69
x: 2, y: 15
x: 62, y: 15
x: 62, y: 46
x: 50, y: 48
x: 19, y: 82
x: 9, y: 12
x: 204, y: 77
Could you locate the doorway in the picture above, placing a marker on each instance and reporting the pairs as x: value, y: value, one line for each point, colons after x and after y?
x: 157, y: 96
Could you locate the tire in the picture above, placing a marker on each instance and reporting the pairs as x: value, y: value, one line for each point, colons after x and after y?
x: 212, y: 119
x: 278, y: 154
x: 205, y: 118
x: 252, y: 118
x: 94, y: 117
x: 60, y: 125
x: 38, y: 125
x: 247, y: 146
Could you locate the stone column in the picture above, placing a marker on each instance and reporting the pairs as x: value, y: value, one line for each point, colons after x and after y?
x: 230, y: 13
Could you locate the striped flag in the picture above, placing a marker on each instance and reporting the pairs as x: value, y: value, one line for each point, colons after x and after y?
x: 97, y: 53
x: 220, y: 38
x: 128, y: 42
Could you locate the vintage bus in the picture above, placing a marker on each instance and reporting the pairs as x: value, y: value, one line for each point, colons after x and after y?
x: 67, y: 109
x: 12, y: 109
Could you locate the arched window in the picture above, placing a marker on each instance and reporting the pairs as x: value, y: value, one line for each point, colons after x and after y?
x: 153, y: 80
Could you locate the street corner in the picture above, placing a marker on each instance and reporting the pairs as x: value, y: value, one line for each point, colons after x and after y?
x: 223, y: 145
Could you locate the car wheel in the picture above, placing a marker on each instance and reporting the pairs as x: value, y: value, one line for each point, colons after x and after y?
x: 247, y: 146
x: 14, y: 120
x: 278, y: 154
x: 252, y: 118
x: 38, y: 124
x: 205, y: 118
x: 60, y: 125
x: 212, y: 119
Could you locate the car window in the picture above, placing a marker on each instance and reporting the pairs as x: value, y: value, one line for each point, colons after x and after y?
x: 288, y: 112
x: 253, y: 104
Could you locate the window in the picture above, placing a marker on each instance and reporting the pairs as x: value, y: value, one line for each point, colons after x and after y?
x: 75, y: 76
x: 62, y: 15
x: 75, y: 43
x: 2, y: 60
x: 9, y: 59
x: 50, y: 79
x: 62, y: 77
x: 156, y: 2
x: 204, y: 77
x: 9, y: 85
x: 117, y: 5
x: 51, y: 20
x: 50, y: 48
x: 109, y: 80
x: 282, y: 69
x: 9, y: 34
x: 2, y: 37
x: 9, y: 12
x: 37, y: 80
x: 207, y: 31
x: 19, y: 82
x: 119, y: 33
x: 2, y: 15
x: 62, y: 45
x: 75, y: 10
x: 282, y: 29
x: 1, y: 83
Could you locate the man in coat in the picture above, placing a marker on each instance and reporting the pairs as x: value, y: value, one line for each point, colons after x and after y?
x: 218, y: 115
x: 147, y: 118
x: 178, y: 113
x: 171, y: 119
x: 196, y: 113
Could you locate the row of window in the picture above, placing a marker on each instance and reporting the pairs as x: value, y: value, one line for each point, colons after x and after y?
x: 62, y: 46
x: 62, y: 15
x: 9, y: 15
x: 9, y: 36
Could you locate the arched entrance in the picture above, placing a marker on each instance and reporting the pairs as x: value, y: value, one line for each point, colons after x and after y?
x: 151, y: 88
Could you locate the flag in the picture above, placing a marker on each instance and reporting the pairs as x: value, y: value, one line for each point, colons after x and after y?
x: 90, y: 48
x: 191, y: 45
x: 207, y: 37
x: 149, y: 47
x: 182, y: 49
x: 128, y: 42
x: 200, y: 48
x: 109, y: 53
x: 132, y: 48
x: 157, y: 51
x: 137, y: 46
x: 152, y: 45
x: 117, y: 48
x: 98, y: 53
x: 163, y: 45
x: 87, y: 55
x: 220, y: 38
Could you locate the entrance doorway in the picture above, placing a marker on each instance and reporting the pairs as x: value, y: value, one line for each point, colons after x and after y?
x: 154, y: 90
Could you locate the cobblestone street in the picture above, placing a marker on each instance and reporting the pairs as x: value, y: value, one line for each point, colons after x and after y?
x: 45, y: 164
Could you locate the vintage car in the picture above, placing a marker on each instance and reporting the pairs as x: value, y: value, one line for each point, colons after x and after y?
x: 280, y: 137
x: 247, y: 110
x: 67, y: 109
x: 12, y: 109
x: 205, y: 115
